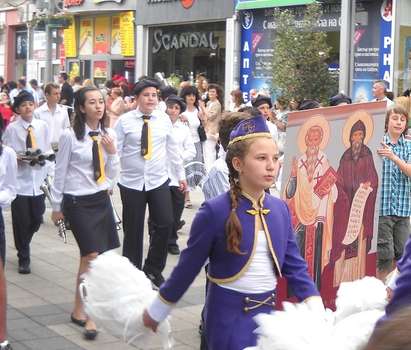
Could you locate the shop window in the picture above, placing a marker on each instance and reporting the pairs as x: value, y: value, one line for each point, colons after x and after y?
x: 21, y: 45
x: 402, y: 75
x: 123, y: 68
x: 186, y: 50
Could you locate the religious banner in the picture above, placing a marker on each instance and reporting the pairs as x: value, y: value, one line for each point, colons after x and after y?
x: 115, y: 36
x: 331, y: 179
x: 86, y: 37
x: 127, y: 33
x: 101, y: 34
x: 70, y: 43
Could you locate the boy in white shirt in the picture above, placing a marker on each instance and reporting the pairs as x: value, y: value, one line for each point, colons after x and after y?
x: 146, y: 146
x: 27, y: 134
x: 54, y: 114
x: 182, y: 134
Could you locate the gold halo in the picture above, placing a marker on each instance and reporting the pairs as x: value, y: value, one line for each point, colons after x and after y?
x: 317, y: 120
x: 366, y: 119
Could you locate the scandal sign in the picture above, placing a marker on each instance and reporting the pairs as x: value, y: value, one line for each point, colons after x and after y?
x: 176, y: 41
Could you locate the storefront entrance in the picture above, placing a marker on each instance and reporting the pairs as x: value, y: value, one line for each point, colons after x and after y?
x: 187, y: 50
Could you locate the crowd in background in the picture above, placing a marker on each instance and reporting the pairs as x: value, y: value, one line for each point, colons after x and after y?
x: 196, y: 109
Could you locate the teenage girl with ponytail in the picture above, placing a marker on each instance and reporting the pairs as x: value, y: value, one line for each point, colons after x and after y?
x: 246, y: 234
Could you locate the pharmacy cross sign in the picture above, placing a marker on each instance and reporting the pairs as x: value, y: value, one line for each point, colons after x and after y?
x: 101, y: 1
x: 185, y: 3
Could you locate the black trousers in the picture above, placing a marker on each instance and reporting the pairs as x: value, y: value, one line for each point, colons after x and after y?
x: 177, y: 200
x: 161, y: 216
x: 27, y: 216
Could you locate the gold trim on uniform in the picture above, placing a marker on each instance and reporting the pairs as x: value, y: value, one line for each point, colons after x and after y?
x: 249, y: 136
x: 270, y: 245
x: 258, y: 208
x: 245, y: 267
x: 312, y: 297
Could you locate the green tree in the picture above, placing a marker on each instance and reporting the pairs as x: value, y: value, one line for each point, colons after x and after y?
x: 300, y: 69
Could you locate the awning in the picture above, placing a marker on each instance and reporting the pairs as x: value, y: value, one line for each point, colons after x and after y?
x: 260, y: 4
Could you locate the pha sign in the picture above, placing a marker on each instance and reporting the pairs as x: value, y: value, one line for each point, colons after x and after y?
x: 386, y: 42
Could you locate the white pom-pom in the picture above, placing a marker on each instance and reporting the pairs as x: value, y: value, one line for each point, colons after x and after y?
x: 295, y: 328
x: 360, y: 304
x: 115, y: 295
x: 368, y: 293
x: 353, y: 332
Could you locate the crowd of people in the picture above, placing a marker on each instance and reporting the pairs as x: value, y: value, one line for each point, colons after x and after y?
x: 141, y: 138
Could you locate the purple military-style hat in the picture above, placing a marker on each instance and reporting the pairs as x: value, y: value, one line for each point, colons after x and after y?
x: 249, y: 128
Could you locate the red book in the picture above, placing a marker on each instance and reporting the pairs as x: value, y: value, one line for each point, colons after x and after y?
x: 325, y: 183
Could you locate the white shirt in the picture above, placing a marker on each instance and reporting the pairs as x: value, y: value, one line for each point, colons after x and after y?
x: 74, y: 167
x: 193, y: 124
x: 273, y: 130
x: 57, y: 120
x: 216, y: 181
x: 187, y: 150
x: 260, y: 276
x: 390, y: 103
x: 29, y: 178
x: 13, y: 93
x: 38, y: 95
x: 136, y: 172
x: 8, y: 176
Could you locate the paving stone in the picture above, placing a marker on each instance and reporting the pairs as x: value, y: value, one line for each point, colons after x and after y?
x: 47, y: 320
x: 14, y: 314
x: 39, y: 304
x: 31, y: 333
x: 19, y: 346
x: 55, y: 343
x: 41, y: 310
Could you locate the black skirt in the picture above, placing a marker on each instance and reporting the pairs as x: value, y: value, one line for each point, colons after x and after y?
x: 92, y: 222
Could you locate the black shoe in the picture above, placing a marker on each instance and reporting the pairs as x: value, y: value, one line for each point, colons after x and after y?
x: 180, y: 225
x: 173, y: 250
x: 7, y: 346
x: 90, y: 334
x: 156, y: 279
x: 77, y: 321
x: 24, y: 268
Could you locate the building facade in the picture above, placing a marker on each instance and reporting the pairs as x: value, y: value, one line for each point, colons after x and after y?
x: 13, y: 42
x: 182, y: 39
x: 99, y: 43
x: 368, y: 40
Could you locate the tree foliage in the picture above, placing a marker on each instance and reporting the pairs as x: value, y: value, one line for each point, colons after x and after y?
x: 300, y: 70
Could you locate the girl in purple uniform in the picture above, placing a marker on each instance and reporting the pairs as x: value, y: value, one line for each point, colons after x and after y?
x: 246, y: 234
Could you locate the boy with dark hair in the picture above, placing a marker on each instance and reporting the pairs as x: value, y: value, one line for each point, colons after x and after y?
x: 67, y: 94
x: 27, y: 134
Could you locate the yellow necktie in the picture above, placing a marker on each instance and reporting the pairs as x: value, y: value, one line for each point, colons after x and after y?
x: 98, y: 159
x: 31, y: 139
x: 146, y: 141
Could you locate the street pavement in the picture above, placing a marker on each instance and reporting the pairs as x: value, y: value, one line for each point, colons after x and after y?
x: 39, y: 304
